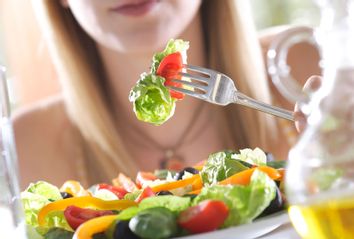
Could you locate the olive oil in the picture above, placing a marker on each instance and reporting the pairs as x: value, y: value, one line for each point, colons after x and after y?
x: 330, y: 219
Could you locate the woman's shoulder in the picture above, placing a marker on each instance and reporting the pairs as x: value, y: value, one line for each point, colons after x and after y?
x: 46, y: 141
x: 43, y: 117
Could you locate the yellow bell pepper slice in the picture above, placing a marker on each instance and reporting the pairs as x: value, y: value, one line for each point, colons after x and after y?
x: 83, y: 202
x: 93, y: 226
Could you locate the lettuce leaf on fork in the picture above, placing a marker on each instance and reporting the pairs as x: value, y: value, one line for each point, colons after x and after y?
x: 151, y: 99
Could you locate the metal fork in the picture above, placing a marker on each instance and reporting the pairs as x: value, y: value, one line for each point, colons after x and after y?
x: 218, y: 88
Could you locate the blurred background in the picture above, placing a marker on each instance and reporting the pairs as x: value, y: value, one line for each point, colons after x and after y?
x: 267, y: 13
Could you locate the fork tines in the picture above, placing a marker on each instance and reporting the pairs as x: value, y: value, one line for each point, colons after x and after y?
x: 195, y: 84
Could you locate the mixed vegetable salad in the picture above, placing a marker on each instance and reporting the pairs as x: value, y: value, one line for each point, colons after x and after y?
x: 228, y: 189
x: 153, y: 101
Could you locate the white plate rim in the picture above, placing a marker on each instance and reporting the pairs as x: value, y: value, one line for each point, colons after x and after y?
x: 252, y: 230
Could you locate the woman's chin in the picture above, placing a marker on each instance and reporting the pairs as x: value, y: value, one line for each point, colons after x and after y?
x: 140, y: 44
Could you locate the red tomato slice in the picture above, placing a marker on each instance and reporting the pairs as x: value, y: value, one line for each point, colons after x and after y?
x: 169, y: 68
x: 147, y: 192
x: 75, y: 216
x: 204, y: 217
x: 143, y: 177
x: 118, y: 191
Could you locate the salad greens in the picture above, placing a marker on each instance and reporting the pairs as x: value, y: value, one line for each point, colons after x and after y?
x: 34, y: 198
x: 205, y: 201
x: 56, y: 233
x: 220, y: 166
x: 154, y: 223
x: 245, y: 202
x: 254, y: 157
x: 151, y: 99
x: 173, y: 203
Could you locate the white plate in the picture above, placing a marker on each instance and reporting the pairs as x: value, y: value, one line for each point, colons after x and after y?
x: 247, y: 231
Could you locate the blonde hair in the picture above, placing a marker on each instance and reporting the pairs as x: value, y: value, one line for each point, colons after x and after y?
x: 232, y: 48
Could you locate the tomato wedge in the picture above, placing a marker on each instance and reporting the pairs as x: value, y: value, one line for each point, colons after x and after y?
x: 147, y: 192
x: 207, y: 216
x: 118, y: 191
x: 169, y: 68
x: 75, y: 216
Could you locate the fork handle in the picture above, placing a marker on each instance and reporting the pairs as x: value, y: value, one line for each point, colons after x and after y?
x: 245, y: 100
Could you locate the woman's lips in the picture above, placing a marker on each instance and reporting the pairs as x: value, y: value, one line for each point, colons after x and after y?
x: 138, y: 8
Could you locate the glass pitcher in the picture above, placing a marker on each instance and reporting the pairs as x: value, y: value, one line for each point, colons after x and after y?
x: 320, y: 171
x: 12, y: 224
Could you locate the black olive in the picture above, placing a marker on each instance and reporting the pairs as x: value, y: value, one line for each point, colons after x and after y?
x: 180, y: 174
x: 66, y: 195
x: 276, y: 205
x: 122, y: 231
x: 164, y: 192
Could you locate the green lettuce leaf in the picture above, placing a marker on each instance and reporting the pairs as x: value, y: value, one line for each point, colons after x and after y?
x: 46, y: 190
x: 152, y: 100
x: 133, y: 195
x: 34, y: 198
x: 173, y: 203
x: 128, y: 213
x: 58, y: 233
x: 245, y: 202
x: 220, y: 166
x: 171, y: 47
x: 254, y: 157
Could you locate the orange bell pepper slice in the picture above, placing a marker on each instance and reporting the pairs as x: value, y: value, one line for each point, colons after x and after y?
x: 83, y: 202
x: 244, y: 177
x: 74, y: 188
x: 282, y: 174
x: 93, y: 226
x: 176, y: 184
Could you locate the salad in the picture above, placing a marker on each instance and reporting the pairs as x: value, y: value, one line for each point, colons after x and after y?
x: 153, y: 101
x: 228, y: 189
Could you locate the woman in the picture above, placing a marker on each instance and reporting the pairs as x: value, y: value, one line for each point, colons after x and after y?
x: 99, y: 48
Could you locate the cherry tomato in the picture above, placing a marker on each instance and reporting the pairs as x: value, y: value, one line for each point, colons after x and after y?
x: 147, y: 192
x: 204, y: 217
x: 118, y: 191
x: 144, y: 177
x: 169, y: 68
x: 75, y: 216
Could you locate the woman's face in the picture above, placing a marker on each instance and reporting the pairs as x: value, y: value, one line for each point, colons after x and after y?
x: 133, y: 25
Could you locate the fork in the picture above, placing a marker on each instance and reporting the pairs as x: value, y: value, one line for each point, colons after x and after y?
x: 218, y: 88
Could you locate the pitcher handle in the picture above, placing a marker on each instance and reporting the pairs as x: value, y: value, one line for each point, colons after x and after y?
x: 278, y: 68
